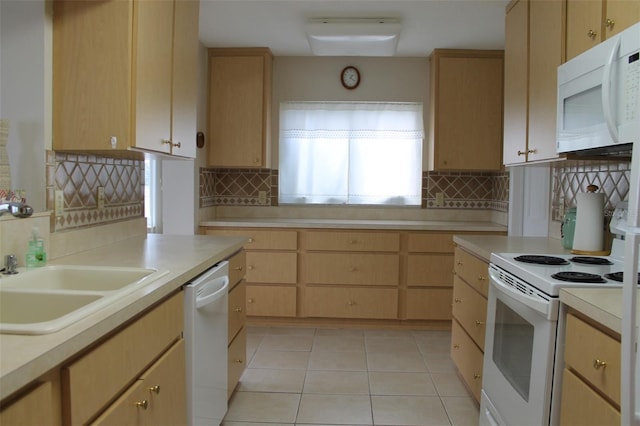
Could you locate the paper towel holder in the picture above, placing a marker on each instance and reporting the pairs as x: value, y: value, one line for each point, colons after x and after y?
x: 591, y: 188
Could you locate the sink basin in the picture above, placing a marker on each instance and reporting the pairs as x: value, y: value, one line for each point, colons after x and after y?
x: 83, y: 278
x: 47, y: 299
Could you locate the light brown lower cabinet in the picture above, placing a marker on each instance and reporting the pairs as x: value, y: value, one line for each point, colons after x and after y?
x: 591, y: 377
x: 237, y: 359
x: 429, y: 303
x: 36, y: 407
x: 156, y: 398
x: 91, y: 382
x: 351, y: 302
x: 236, y: 332
x: 468, y: 358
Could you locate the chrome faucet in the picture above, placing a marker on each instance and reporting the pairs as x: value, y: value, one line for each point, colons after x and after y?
x: 16, y: 209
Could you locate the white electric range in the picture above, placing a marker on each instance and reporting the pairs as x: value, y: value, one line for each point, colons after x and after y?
x: 522, y: 328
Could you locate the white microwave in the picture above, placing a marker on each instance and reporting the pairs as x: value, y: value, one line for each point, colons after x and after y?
x: 599, y: 95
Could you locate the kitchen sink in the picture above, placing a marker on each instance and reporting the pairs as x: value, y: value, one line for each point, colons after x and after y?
x: 84, y: 278
x: 47, y: 299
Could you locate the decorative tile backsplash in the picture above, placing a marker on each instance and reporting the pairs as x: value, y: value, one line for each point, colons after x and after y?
x: 241, y: 187
x: 572, y: 177
x: 80, y: 176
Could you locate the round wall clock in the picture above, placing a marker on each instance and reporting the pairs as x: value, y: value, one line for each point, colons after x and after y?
x: 350, y: 77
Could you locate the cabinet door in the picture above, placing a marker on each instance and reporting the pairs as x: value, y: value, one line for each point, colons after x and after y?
x: 545, y: 55
x: 349, y: 302
x: 352, y: 241
x: 33, y: 408
x: 429, y: 304
x: 153, y: 68
x: 236, y: 101
x: 430, y: 270
x: 470, y: 309
x: 92, y: 74
x: 516, y: 74
x: 237, y: 310
x: 468, y: 123
x: 620, y: 14
x: 237, y: 359
x: 185, y: 77
x: 584, y: 20
x: 272, y: 267
x: 350, y: 268
x: 468, y: 358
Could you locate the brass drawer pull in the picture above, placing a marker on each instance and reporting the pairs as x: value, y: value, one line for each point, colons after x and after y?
x: 250, y: 240
x: 609, y: 23
x: 476, y: 376
x: 237, y: 309
x: 478, y: 323
x: 351, y: 303
x: 238, y: 361
x: 482, y: 278
x: 238, y: 268
x: 250, y: 267
x: 591, y: 34
x: 144, y: 404
x: 597, y: 364
x: 155, y: 389
x: 249, y: 300
x: 457, y: 300
x: 456, y: 346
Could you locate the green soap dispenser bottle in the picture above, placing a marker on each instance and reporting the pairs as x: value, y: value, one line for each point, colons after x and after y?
x: 36, y: 255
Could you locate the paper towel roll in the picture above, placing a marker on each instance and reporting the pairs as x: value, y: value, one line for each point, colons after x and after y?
x: 589, y: 233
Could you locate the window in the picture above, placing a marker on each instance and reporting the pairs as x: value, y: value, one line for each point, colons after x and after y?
x: 350, y: 153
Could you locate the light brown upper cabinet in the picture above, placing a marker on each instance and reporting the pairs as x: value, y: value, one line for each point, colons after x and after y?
x: 590, y: 22
x: 533, y: 51
x: 239, y: 107
x: 465, y: 131
x: 124, y: 76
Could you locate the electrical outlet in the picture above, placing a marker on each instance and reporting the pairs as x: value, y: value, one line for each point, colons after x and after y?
x: 262, y: 197
x: 561, y: 207
x: 440, y: 199
x: 59, y: 202
x: 100, y: 197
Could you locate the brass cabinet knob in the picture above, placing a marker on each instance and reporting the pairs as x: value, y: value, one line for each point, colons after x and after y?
x: 353, y: 269
x: 476, y: 376
x: 457, y: 300
x: 250, y: 267
x: 155, y: 389
x: 237, y: 309
x: 249, y: 300
x: 351, y: 303
x: 609, y: 23
x: 144, y: 404
x: 238, y: 361
x: 238, y: 268
x: 479, y: 323
x: 482, y: 278
x: 250, y: 240
x: 459, y: 262
x: 456, y: 346
x: 598, y: 364
x: 353, y: 241
x: 591, y: 34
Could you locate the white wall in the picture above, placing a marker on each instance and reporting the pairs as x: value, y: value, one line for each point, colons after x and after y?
x: 395, y: 79
x: 25, y: 92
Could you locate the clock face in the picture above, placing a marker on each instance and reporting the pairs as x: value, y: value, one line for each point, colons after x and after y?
x: 350, y: 77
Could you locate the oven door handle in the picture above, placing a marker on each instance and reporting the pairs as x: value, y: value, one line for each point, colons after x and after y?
x: 538, y: 304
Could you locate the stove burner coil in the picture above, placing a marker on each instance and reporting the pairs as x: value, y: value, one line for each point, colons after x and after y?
x: 541, y: 260
x: 618, y: 276
x: 578, y: 277
x: 589, y: 260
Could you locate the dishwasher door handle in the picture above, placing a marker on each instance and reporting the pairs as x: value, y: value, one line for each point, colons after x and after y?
x: 212, y: 291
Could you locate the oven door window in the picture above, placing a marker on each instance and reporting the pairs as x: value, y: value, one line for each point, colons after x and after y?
x: 513, y: 348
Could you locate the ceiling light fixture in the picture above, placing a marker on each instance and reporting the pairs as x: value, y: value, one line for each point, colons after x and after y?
x: 353, y: 36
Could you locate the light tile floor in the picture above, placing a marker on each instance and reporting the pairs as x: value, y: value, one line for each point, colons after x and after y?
x: 309, y: 376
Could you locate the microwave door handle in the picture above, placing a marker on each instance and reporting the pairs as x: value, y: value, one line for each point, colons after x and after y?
x: 606, y: 93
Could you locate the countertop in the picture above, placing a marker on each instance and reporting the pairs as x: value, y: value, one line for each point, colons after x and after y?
x: 25, y: 358
x: 418, y: 225
x: 484, y: 245
x: 603, y: 305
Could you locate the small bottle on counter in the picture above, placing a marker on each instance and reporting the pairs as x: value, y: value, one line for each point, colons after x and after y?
x: 36, y: 255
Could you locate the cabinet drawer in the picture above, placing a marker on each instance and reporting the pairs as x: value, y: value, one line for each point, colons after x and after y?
x: 114, y: 363
x: 584, y: 345
x: 262, y: 239
x: 428, y: 270
x: 430, y: 243
x: 468, y: 358
x: 237, y: 359
x: 237, y: 309
x: 473, y: 270
x: 355, y: 269
x: 272, y: 267
x: 582, y: 406
x: 237, y: 267
x: 335, y: 302
x: 271, y: 300
x: 470, y: 309
x: 429, y: 303
x: 166, y: 406
x: 352, y: 241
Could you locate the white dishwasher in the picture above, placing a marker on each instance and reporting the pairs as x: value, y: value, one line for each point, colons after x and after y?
x: 205, y: 335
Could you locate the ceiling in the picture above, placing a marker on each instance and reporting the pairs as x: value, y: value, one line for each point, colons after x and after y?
x: 426, y: 24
